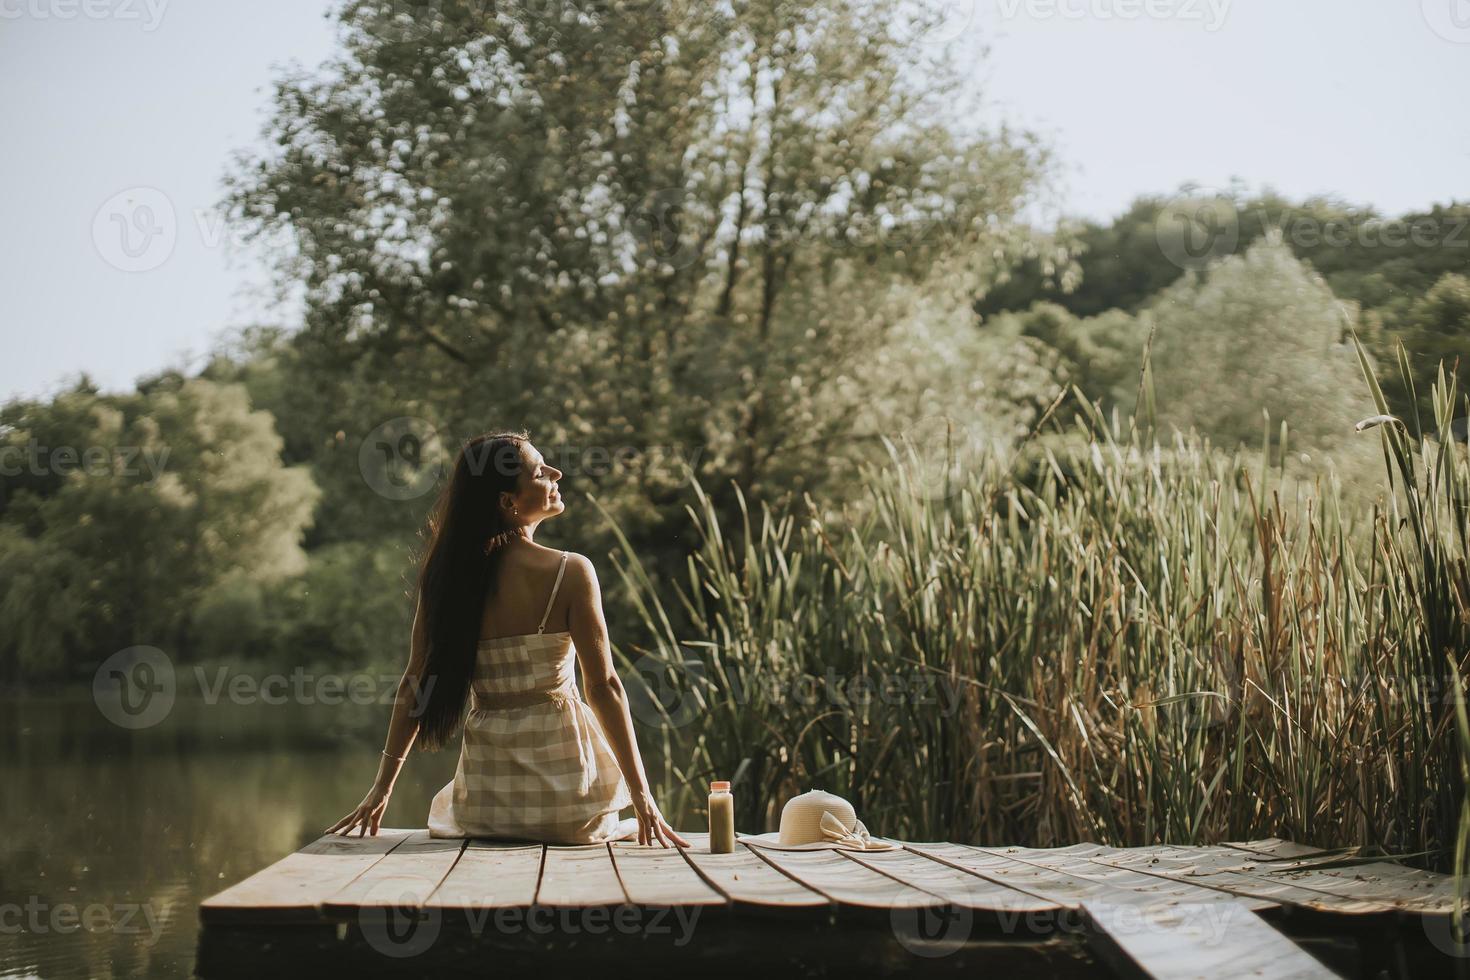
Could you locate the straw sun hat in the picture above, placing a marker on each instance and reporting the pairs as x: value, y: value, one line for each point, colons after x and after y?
x: 817, y: 819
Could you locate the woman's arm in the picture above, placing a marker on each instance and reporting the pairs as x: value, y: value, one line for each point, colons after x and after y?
x: 609, y: 699
x: 403, y: 728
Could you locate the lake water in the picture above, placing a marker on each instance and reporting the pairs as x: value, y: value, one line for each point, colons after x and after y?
x: 112, y: 835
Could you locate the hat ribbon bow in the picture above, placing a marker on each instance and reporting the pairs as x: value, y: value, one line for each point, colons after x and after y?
x: 834, y: 830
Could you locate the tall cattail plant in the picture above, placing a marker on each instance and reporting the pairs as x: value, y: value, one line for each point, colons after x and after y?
x: 1129, y: 641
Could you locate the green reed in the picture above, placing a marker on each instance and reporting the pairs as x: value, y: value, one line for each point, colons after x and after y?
x: 1132, y: 642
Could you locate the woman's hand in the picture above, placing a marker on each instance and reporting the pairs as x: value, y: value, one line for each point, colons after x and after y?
x: 651, y: 822
x: 367, y: 816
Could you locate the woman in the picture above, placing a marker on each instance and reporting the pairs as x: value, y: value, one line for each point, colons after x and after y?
x: 538, y: 763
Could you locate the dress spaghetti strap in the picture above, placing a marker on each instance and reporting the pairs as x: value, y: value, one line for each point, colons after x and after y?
x: 560, y: 568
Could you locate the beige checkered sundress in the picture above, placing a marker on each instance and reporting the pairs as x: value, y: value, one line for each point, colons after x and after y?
x: 535, y: 764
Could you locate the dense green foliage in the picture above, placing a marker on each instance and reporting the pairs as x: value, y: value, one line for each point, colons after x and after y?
x: 1385, y: 268
x: 121, y: 518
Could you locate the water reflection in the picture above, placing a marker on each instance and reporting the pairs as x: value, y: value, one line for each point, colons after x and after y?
x: 112, y: 837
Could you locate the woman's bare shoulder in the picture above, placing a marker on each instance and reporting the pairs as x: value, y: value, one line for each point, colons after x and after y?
x: 581, y: 575
x: 580, y: 564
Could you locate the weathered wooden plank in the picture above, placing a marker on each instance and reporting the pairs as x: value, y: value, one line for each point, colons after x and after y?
x: 1067, y: 891
x: 1198, y: 942
x: 748, y: 881
x: 846, y: 882
x: 1080, y: 862
x: 1087, y: 849
x: 659, y: 876
x: 1209, y: 866
x: 579, y: 876
x: 1372, y: 886
x: 1208, y: 859
x: 1382, y: 883
x: 490, y: 875
x: 960, y: 888
x: 403, y: 879
x: 1276, y: 849
x: 294, y: 888
x: 1404, y: 889
x: 1080, y: 848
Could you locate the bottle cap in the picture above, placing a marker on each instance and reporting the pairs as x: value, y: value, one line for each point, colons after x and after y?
x: 719, y: 786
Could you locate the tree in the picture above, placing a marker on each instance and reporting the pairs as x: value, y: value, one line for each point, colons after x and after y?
x: 1382, y: 264
x: 1102, y: 355
x: 656, y: 225
x: 1435, y: 329
x: 1256, y: 332
x: 120, y: 512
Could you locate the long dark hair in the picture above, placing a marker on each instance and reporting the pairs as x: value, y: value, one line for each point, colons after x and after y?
x: 458, y: 571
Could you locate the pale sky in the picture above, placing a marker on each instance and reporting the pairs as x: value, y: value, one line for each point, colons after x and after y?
x: 1361, y: 99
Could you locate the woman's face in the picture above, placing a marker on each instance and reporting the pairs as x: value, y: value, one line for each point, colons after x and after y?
x: 537, y: 496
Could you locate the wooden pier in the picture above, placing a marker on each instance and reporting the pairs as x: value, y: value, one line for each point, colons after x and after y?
x: 403, y: 904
